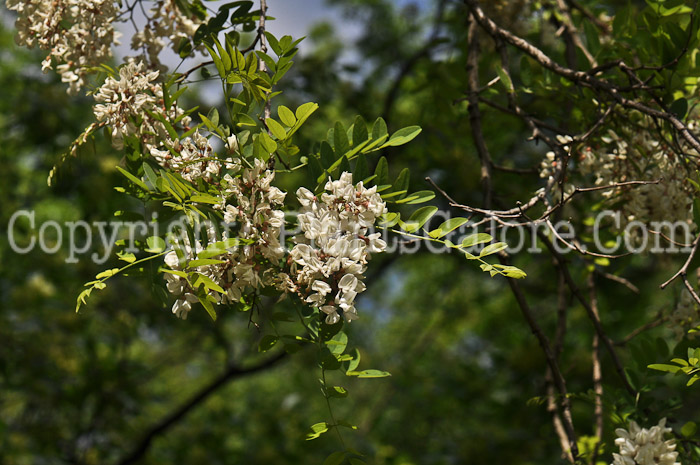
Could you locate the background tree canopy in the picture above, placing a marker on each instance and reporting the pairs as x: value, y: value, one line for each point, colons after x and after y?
x: 124, y: 382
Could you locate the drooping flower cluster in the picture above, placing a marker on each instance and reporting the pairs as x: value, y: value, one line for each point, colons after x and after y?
x: 331, y: 255
x: 124, y: 105
x: 178, y: 285
x: 631, y: 154
x: 166, y: 22
x: 193, y: 157
x: 77, y: 33
x: 251, y: 203
x: 641, y: 446
x: 685, y: 316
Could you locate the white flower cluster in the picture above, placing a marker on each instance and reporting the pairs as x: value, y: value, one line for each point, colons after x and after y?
x: 330, y: 257
x: 550, y: 168
x: 250, y: 201
x: 685, y: 316
x: 124, y: 103
x: 641, y: 446
x: 253, y: 203
x: 193, y: 157
x: 78, y: 34
x: 632, y: 155
x: 178, y: 285
x: 166, y: 22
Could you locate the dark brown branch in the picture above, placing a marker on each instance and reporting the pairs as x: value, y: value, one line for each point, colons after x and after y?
x: 232, y: 373
x: 552, y: 363
x: 618, y: 279
x: 604, y: 28
x: 609, y: 345
x: 263, y: 48
x: 475, y: 113
x: 659, y: 320
x: 597, y: 373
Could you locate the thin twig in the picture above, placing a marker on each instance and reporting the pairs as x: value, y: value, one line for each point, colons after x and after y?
x: 475, y: 113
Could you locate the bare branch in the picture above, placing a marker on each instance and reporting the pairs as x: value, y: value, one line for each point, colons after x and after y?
x: 232, y: 373
x: 475, y: 113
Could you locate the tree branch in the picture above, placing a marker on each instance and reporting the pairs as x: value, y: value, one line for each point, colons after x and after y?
x: 232, y: 373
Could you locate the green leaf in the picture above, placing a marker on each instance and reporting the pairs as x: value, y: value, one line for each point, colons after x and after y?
x: 245, y: 120
x: 178, y: 273
x: 337, y: 391
x: 317, y: 430
x: 340, y: 139
x: 689, y: 429
x: 82, y: 299
x: 274, y: 44
x: 336, y: 458
x: 418, y: 218
x: 276, y: 129
x: 476, y: 239
x: 417, y: 197
x: 379, y: 129
x: 269, y: 145
x: 664, y: 367
x: 126, y: 256
x: 149, y: 173
x: 338, y: 343
x: 382, y: 172
x: 267, y: 342
x: 305, y: 110
x: 355, y: 461
x: 107, y: 273
x: 369, y: 374
x: 493, y: 248
x: 511, y: 271
x: 206, y: 303
x: 205, y: 198
x: 327, y: 155
x: 133, y: 179
x: 401, y: 182
x: 155, y: 244
x: 351, y: 365
x: 679, y: 108
x: 447, y: 227
x: 328, y: 360
x: 359, y: 131
x: 204, y: 262
x: 206, y: 281
x: 403, y: 136
x: 217, y: 61
x: 505, y: 79
x: 361, y: 170
x: 286, y: 116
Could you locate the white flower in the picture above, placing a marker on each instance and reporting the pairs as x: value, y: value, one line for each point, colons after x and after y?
x: 182, y: 306
x: 641, y: 446
x: 232, y: 143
